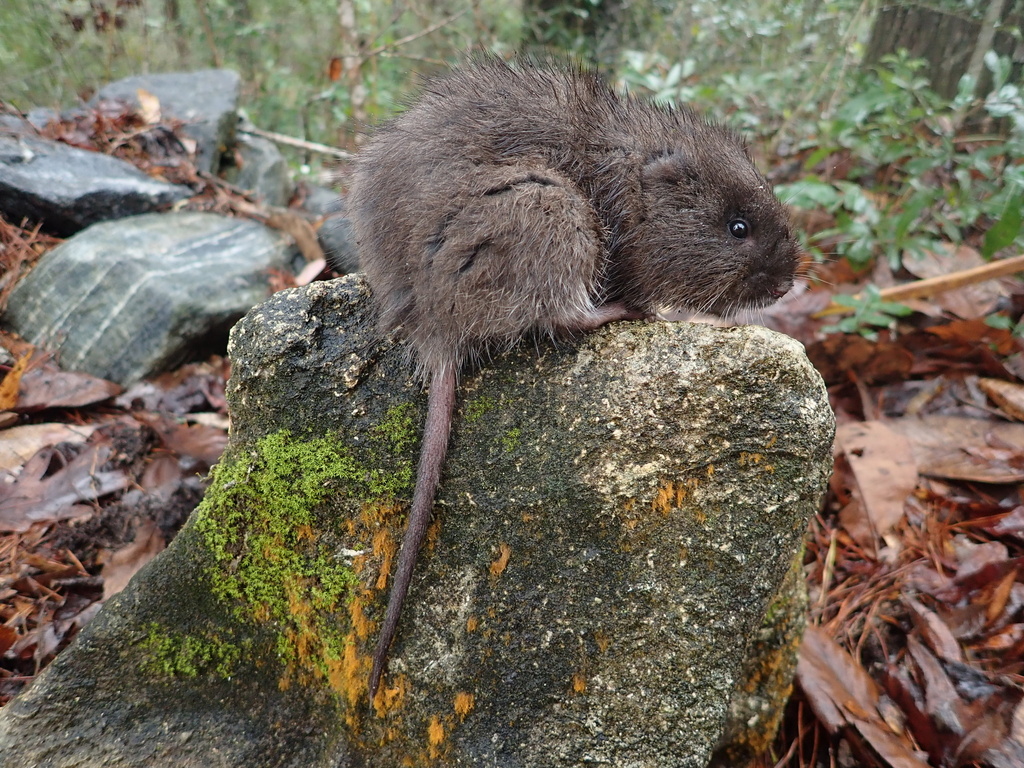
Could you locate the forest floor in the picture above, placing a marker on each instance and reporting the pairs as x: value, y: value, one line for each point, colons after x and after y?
x: 915, y: 563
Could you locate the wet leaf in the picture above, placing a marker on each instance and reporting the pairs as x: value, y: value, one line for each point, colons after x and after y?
x: 121, y: 565
x: 19, y: 444
x: 36, y: 497
x: 49, y: 387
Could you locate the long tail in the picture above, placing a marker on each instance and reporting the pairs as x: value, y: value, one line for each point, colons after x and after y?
x: 440, y: 403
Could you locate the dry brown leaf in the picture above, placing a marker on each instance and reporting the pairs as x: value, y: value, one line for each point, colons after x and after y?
x: 883, y: 465
x: 935, y: 631
x: 33, y: 498
x: 1000, y: 597
x: 149, y: 106
x: 7, y: 637
x: 1008, y: 395
x: 50, y: 387
x: 897, y: 752
x: 19, y: 444
x: 975, y: 331
x: 198, y: 441
x: 120, y: 566
x: 11, y: 382
x: 162, y: 476
x: 837, y: 687
x: 941, y: 700
x: 961, y: 448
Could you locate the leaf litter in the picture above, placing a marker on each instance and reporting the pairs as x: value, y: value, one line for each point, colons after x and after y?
x: 93, y: 484
x: 915, y: 564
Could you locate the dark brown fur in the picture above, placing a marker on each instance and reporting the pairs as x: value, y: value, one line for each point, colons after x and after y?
x: 512, y: 199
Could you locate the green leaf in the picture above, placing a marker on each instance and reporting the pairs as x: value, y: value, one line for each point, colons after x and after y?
x: 1005, y: 230
x: 808, y: 194
x: 845, y: 300
x: 892, y: 308
x: 1002, y: 322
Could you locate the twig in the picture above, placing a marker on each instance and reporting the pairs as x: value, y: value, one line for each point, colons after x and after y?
x: 415, y: 36
x: 291, y: 141
x: 930, y: 286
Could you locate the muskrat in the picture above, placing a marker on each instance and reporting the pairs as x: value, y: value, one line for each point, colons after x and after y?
x: 516, y: 198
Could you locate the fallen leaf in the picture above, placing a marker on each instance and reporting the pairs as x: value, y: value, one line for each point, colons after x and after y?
x: 974, y: 331
x: 941, y: 699
x: 970, y: 301
x: 1008, y: 395
x: 838, y: 355
x: 961, y: 448
x: 834, y: 682
x: 161, y: 477
x: 897, y: 752
x: 7, y: 637
x: 934, y: 631
x: 120, y: 566
x: 11, y: 382
x: 33, y: 498
x: 50, y: 387
x: 149, y: 106
x: 883, y: 465
x: 19, y: 444
x: 197, y: 441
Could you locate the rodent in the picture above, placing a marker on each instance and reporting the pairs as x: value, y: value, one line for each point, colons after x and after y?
x: 515, y: 198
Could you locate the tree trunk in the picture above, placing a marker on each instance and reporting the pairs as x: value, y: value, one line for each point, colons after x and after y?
x: 948, y: 42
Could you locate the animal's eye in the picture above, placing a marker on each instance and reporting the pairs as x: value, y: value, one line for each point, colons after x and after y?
x: 739, y: 229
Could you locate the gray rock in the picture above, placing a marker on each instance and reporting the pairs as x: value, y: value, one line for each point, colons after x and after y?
x: 321, y: 201
x: 127, y: 299
x: 338, y: 242
x: 206, y: 101
x: 262, y: 170
x: 335, y: 232
x: 615, y: 519
x: 68, y: 188
x: 40, y: 117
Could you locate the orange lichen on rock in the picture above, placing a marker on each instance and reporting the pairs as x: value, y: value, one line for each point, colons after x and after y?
x: 435, y: 737
x: 464, y: 703
x: 672, y: 493
x: 498, y: 566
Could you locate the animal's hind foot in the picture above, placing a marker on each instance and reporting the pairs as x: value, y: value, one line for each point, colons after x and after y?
x: 610, y: 313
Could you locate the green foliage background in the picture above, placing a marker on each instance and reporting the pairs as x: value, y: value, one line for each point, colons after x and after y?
x: 788, y: 74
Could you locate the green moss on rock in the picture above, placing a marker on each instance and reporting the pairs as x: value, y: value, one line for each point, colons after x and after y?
x: 178, y: 655
x: 270, y: 521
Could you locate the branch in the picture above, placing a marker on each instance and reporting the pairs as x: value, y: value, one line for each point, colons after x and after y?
x: 930, y: 286
x: 291, y: 141
x: 415, y: 36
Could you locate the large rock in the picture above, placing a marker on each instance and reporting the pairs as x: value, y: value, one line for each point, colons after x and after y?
x: 260, y: 168
x: 614, y: 521
x: 206, y: 101
x: 334, y: 234
x: 67, y: 188
x: 126, y: 299
x: 338, y: 242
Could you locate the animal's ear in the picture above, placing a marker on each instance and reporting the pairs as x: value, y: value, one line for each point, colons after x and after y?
x: 670, y: 168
